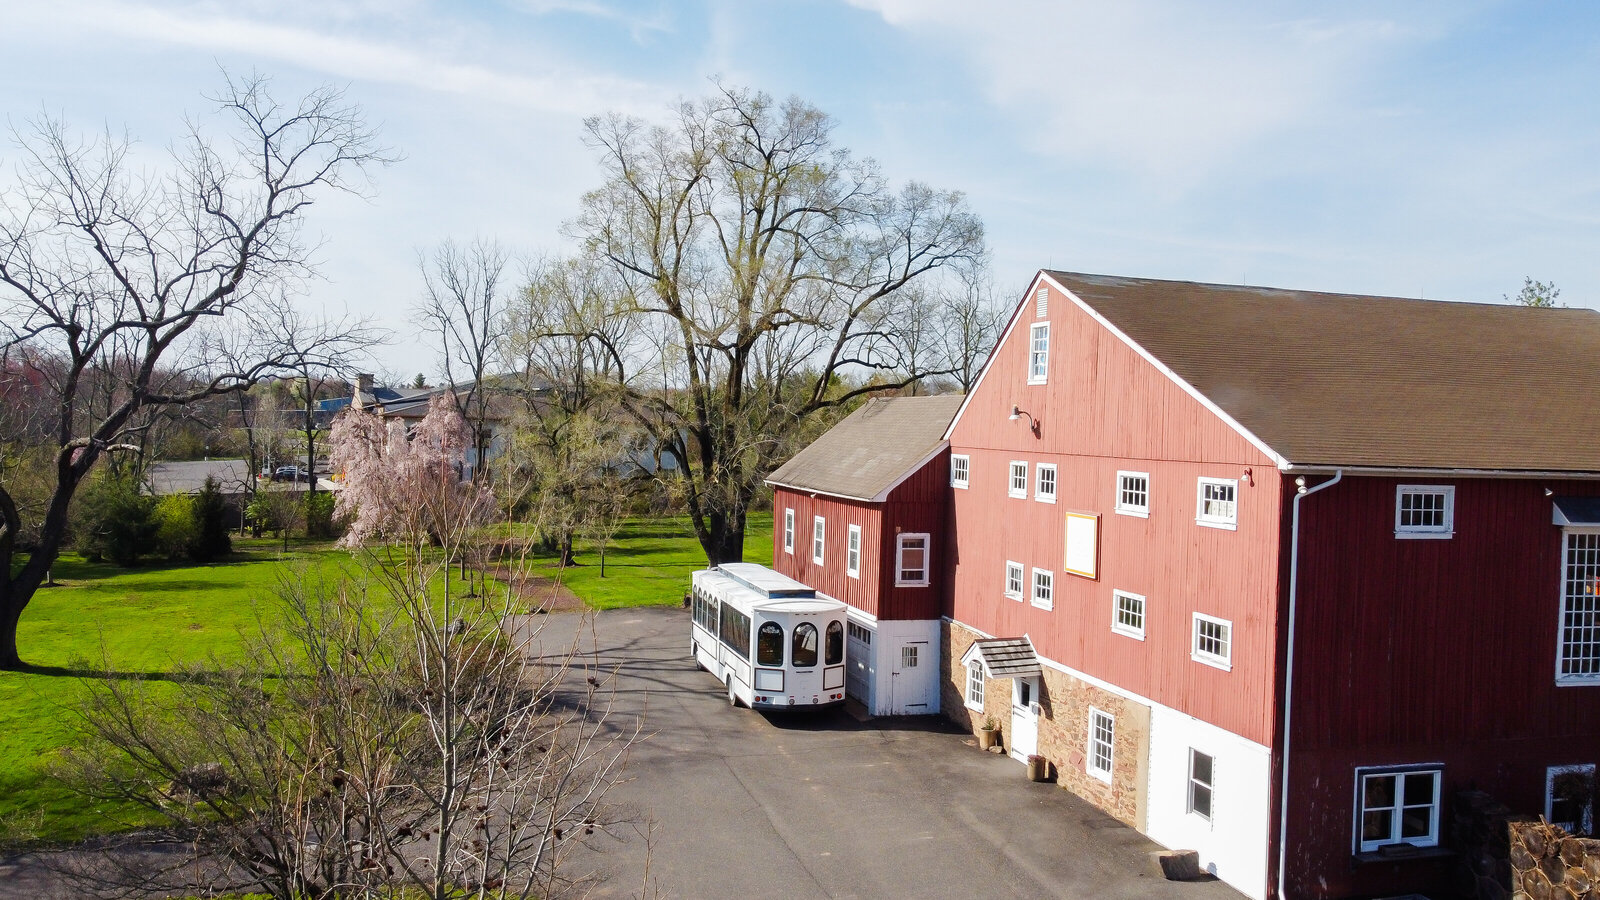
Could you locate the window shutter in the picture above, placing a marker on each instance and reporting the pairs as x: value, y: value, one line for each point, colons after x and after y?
x: 1042, y: 303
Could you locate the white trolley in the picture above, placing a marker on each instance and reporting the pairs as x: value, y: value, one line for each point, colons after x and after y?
x: 773, y: 642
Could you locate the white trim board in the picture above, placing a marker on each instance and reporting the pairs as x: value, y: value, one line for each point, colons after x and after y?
x: 1280, y: 461
x: 1112, y: 688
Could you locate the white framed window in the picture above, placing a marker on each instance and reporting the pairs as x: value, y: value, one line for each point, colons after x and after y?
x: 1578, y: 647
x: 1424, y: 511
x: 1213, y: 641
x: 1102, y: 737
x: 1397, y: 806
x: 852, y: 553
x: 1018, y: 486
x: 1216, y: 503
x: 788, y: 531
x: 1202, y: 781
x: 1014, y: 580
x: 1569, y: 797
x: 1044, y: 588
x: 1044, y: 488
x: 911, y: 562
x: 975, y: 685
x: 818, y: 529
x: 1127, y: 614
x: 1133, y: 494
x: 1038, y: 352
x: 960, y: 471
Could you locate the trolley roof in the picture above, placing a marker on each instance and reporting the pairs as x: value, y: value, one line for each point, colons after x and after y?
x: 737, y: 582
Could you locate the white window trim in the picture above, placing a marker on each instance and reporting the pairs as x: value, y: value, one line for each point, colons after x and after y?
x: 1200, y: 518
x: 966, y: 691
x: 927, y: 559
x: 1038, y: 483
x: 1140, y: 512
x: 852, y: 552
x: 1117, y: 626
x: 1562, y: 679
x: 1225, y: 663
x: 788, y: 531
x: 1414, y: 532
x: 1550, y: 773
x: 1033, y: 589
x: 1189, y: 782
x: 819, y: 538
x: 967, y: 479
x: 1022, y: 580
x: 1032, y: 378
x: 1088, y: 762
x: 1362, y: 773
x: 1011, y: 479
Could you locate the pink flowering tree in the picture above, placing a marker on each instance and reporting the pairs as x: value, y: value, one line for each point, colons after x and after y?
x: 407, y: 488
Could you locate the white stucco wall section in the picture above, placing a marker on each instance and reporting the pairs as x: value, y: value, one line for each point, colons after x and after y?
x: 892, y: 689
x: 1233, y: 845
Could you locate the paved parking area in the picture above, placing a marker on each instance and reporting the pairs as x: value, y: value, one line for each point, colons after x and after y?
x: 745, y: 804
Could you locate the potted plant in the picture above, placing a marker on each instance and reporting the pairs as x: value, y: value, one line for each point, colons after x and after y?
x: 989, y: 733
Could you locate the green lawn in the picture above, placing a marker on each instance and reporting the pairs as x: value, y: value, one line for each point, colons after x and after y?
x: 146, y: 620
x: 153, y: 619
x: 649, y: 564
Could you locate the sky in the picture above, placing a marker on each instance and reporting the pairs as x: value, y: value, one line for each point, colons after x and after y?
x: 1442, y: 150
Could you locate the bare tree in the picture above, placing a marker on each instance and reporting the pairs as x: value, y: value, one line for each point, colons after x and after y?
x: 767, y: 274
x: 420, y: 744
x: 970, y: 327
x: 133, y: 276
x: 463, y: 307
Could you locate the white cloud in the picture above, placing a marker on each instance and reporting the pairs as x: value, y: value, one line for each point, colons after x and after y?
x: 1168, y: 89
x: 557, y: 89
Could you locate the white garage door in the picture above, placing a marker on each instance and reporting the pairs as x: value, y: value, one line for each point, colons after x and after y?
x: 858, y: 674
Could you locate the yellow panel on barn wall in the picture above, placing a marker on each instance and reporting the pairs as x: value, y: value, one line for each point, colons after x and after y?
x: 1083, y: 544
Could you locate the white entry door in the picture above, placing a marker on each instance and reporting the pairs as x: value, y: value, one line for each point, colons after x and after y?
x: 1024, y: 718
x: 913, y: 684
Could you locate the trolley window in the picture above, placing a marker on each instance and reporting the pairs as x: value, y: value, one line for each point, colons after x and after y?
x: 735, y: 631
x: 769, y: 644
x: 835, y: 645
x: 804, y: 654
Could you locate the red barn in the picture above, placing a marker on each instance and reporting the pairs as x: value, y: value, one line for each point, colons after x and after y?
x: 1295, y: 569
x: 860, y: 515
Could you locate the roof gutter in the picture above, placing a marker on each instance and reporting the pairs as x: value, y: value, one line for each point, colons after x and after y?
x: 1423, y: 472
x: 1288, y: 669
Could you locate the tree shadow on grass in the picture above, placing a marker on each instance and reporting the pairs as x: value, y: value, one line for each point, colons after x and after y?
x: 86, y: 673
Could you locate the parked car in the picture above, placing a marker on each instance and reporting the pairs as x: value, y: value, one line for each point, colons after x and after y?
x: 291, y: 473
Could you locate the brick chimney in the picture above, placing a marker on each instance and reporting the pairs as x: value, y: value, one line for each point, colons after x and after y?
x: 364, y: 383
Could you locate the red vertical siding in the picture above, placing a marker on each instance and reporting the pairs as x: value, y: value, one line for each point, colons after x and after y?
x: 1106, y: 408
x: 1423, y: 651
x: 917, y: 505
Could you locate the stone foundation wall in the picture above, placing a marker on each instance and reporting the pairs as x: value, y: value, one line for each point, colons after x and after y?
x: 1063, y: 728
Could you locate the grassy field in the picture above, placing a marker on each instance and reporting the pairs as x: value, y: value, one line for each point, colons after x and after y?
x: 154, y: 619
x: 146, y: 620
x: 651, y: 561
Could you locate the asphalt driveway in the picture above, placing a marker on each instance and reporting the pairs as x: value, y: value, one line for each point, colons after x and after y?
x: 743, y: 804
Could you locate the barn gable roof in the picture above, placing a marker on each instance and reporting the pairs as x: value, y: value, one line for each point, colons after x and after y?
x: 1344, y: 380
x: 872, y: 450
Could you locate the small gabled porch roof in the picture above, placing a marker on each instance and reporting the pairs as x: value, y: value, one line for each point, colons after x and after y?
x: 1004, y: 657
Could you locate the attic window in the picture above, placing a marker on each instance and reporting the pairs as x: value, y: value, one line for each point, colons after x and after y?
x: 960, y: 469
x: 1038, y: 352
x: 1424, y: 511
x: 1041, y: 302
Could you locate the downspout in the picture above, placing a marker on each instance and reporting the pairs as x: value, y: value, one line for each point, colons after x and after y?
x: 1288, y: 668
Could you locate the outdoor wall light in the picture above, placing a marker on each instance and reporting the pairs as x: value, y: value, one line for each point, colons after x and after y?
x: 1018, y: 412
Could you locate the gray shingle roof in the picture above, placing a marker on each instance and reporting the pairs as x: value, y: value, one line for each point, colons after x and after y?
x: 1005, y: 657
x: 1347, y: 380
x: 872, y: 449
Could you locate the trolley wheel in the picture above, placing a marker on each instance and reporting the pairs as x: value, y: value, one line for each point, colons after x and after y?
x: 733, y: 698
x: 694, y: 654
